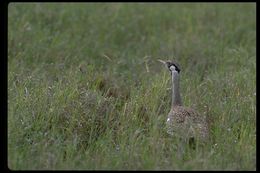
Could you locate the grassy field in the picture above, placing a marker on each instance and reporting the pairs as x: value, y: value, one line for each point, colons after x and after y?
x: 85, y: 90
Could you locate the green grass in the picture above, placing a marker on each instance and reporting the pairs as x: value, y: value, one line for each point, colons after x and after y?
x: 85, y: 90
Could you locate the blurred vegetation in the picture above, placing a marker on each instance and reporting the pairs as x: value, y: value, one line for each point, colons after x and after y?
x: 85, y: 90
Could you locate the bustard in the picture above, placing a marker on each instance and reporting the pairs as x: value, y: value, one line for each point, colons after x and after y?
x: 182, y: 121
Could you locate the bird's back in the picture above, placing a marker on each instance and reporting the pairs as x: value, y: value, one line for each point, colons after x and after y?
x: 187, y: 123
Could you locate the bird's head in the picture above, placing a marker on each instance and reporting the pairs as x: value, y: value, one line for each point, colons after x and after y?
x: 171, y: 65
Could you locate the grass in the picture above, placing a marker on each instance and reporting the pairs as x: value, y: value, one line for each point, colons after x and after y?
x: 85, y: 90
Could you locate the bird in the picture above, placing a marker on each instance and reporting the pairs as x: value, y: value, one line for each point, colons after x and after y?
x: 182, y: 121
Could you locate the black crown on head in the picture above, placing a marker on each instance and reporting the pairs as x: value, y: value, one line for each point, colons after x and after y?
x: 170, y: 63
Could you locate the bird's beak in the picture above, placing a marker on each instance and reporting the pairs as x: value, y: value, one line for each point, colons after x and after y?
x: 161, y: 61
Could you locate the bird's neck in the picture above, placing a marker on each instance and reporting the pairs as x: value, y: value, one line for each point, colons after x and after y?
x: 176, y: 97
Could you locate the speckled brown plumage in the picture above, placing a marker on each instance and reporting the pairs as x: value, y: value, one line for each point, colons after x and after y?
x: 187, y: 123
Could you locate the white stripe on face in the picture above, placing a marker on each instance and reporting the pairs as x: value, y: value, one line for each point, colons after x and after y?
x: 172, y: 68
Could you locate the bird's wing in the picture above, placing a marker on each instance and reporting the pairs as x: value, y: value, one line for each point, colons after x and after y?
x: 187, y: 122
x: 180, y: 114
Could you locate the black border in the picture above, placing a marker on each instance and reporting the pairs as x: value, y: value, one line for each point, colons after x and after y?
x: 4, y: 99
